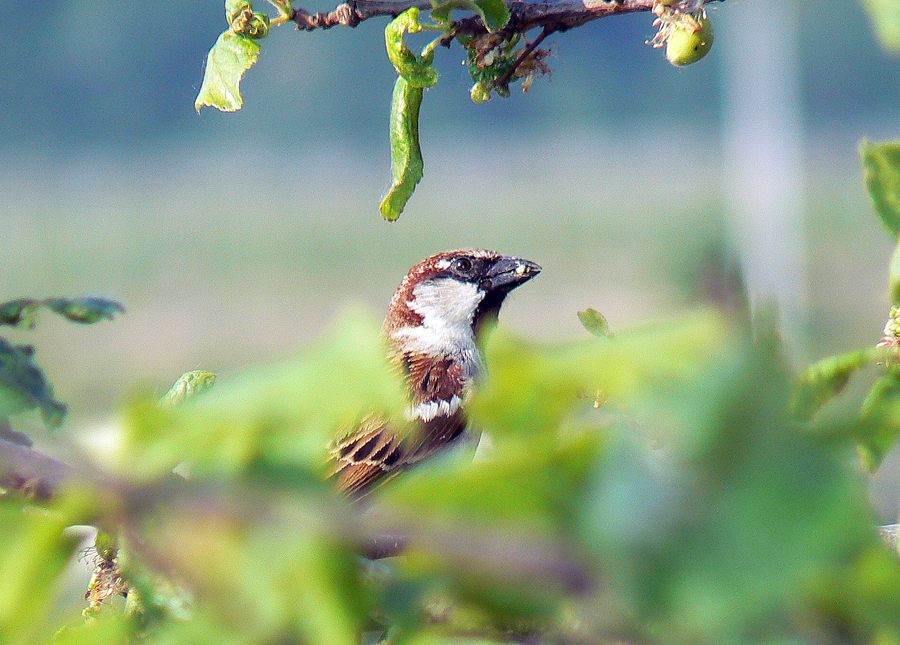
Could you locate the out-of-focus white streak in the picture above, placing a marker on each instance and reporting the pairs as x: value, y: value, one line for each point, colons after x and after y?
x: 763, y: 152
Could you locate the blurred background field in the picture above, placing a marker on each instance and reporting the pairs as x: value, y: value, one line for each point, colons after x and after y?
x: 236, y: 239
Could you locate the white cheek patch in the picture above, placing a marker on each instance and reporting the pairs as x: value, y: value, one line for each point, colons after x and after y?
x: 428, y: 410
x: 446, y: 302
x: 447, y: 307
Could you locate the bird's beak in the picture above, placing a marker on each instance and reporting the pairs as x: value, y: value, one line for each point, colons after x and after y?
x: 508, y: 273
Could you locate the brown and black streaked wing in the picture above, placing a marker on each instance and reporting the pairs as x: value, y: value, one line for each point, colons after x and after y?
x: 365, y: 457
x: 434, y: 435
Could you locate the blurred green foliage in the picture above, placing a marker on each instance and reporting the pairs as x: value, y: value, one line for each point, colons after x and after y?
x: 652, y: 487
x: 23, y: 385
x: 882, y: 170
x: 885, y: 16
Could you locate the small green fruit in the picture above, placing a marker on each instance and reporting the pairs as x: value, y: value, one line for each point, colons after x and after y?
x: 106, y: 545
x: 687, y: 44
x: 480, y: 92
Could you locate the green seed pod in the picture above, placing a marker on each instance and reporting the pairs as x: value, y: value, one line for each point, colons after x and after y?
x: 480, y: 92
x: 687, y: 45
x: 106, y: 545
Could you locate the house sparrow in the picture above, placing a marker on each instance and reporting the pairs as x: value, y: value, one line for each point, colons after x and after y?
x: 431, y: 326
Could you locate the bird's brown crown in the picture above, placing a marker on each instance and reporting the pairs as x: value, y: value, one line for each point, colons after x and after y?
x: 491, y: 273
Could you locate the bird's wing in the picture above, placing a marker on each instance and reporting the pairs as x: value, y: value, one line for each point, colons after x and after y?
x: 365, y: 456
x: 434, y: 435
x: 375, y: 450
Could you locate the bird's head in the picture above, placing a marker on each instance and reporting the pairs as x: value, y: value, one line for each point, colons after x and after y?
x: 443, y: 299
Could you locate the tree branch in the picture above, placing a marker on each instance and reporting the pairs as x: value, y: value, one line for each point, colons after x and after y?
x: 28, y: 471
x: 31, y: 472
x: 558, y: 15
x: 504, y: 80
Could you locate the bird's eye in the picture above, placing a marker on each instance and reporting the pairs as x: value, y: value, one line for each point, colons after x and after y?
x: 462, y: 265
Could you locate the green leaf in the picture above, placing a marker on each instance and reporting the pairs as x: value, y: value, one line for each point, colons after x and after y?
x: 532, y: 491
x: 880, y: 427
x: 530, y: 388
x: 407, y: 165
x: 824, y: 380
x: 882, y: 175
x: 493, y: 13
x: 18, y: 313
x: 227, y: 62
x: 34, y: 553
x: 441, y: 11
x: 894, y: 278
x: 418, y: 71
x: 285, y: 8
x: 105, y: 628
x: 595, y: 322
x: 739, y: 483
x: 269, y: 420
x: 415, y: 73
x: 235, y: 7
x: 885, y: 15
x: 187, y: 386
x: 24, y: 387
x: 85, y: 310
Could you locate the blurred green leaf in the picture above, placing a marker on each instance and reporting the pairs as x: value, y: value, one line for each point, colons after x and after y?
x: 881, y: 162
x: 712, y: 540
x: 188, y: 385
x: 274, y: 417
x: 263, y: 568
x: 885, y: 16
x: 227, y: 62
x: 894, y: 277
x: 87, y: 310
x: 23, y: 385
x: 105, y: 629
x: 879, y: 430
x: 860, y: 597
x: 824, y: 380
x: 533, y: 491
x: 34, y: 551
x: 595, y: 322
x: 407, y: 165
x: 530, y: 388
x: 18, y: 313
